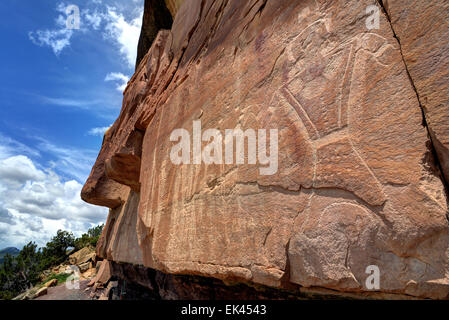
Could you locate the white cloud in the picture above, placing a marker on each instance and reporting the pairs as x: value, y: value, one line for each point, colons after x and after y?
x: 123, y: 30
x: 16, y: 159
x: 75, y: 163
x: 17, y: 170
x: 67, y: 102
x: 10, y: 147
x: 124, y: 33
x: 93, y: 19
x: 51, y: 198
x: 35, y: 203
x: 6, y: 217
x: 36, y: 209
x: 120, y: 77
x: 98, y: 131
x: 56, y: 39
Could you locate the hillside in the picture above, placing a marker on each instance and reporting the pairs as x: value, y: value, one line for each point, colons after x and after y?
x: 10, y: 250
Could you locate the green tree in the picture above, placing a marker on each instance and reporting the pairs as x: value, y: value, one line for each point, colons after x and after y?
x: 89, y: 238
x: 20, y: 273
x: 55, y: 251
x: 95, y: 232
x: 28, y: 263
x: 8, y: 283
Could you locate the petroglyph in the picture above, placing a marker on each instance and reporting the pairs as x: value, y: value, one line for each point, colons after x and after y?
x: 356, y: 183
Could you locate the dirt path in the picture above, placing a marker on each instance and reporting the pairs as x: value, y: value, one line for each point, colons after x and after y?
x: 61, y: 292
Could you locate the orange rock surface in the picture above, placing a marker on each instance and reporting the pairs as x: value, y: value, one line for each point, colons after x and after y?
x: 358, y: 183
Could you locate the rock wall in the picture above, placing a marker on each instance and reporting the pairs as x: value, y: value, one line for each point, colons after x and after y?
x: 361, y: 115
x: 173, y: 6
x: 421, y: 27
x: 158, y: 15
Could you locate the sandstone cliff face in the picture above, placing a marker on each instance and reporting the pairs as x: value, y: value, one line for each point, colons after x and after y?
x: 363, y: 136
x: 157, y: 15
x: 423, y: 31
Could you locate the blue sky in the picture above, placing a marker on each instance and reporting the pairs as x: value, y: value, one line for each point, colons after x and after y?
x: 60, y: 89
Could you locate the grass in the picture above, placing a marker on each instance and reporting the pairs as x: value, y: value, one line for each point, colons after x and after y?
x: 61, y: 277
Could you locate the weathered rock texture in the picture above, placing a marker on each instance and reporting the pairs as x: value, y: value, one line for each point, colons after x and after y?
x: 158, y: 14
x: 358, y: 183
x: 422, y: 28
x: 173, y: 6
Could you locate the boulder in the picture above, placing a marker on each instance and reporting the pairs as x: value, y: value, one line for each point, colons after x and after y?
x: 104, y: 274
x: 41, y: 292
x: 85, y: 266
x: 51, y: 283
x: 82, y: 256
x: 89, y: 273
x: 22, y: 296
x: 98, y: 265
